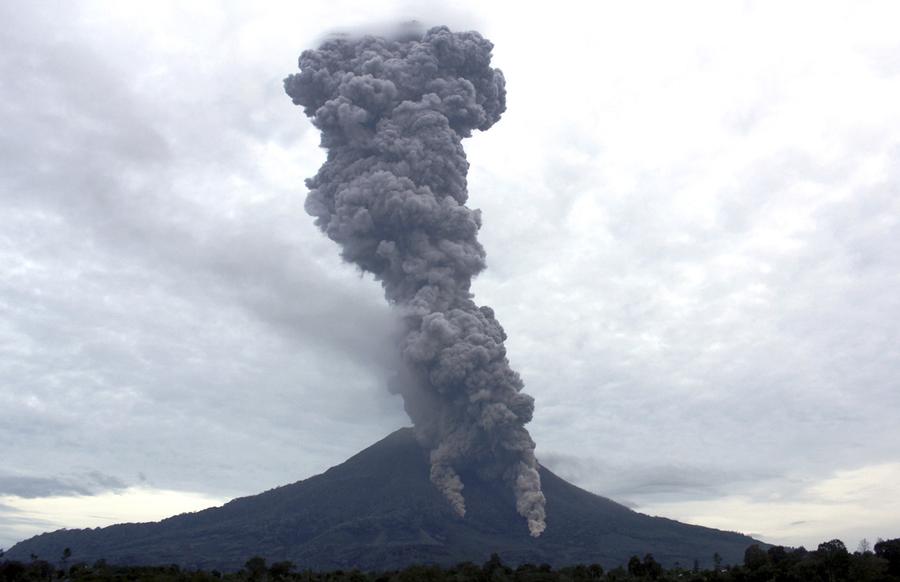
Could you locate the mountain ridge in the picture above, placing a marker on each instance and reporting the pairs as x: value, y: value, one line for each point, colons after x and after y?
x: 378, y: 510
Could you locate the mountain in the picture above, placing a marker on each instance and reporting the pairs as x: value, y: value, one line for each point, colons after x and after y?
x: 378, y: 510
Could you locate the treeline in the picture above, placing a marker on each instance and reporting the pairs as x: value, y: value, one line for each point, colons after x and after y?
x: 830, y: 562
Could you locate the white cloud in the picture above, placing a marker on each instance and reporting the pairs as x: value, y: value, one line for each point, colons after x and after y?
x: 850, y: 505
x: 28, y: 517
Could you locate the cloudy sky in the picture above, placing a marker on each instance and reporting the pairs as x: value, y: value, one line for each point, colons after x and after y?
x: 692, y: 220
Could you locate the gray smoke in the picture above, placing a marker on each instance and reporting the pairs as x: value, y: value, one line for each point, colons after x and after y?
x: 392, y: 193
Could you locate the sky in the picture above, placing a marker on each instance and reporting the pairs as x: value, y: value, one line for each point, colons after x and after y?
x: 692, y: 221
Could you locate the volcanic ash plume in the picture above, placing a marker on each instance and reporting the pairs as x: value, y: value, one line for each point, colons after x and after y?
x: 392, y: 193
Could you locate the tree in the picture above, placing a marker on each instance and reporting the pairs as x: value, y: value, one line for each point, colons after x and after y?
x: 835, y: 559
x: 890, y: 551
x: 652, y: 568
x: 67, y: 553
x: 493, y: 564
x: 777, y: 554
x: 863, y: 547
x: 280, y: 570
x: 256, y: 567
x: 577, y: 573
x: 12, y: 570
x: 635, y: 567
x: 755, y: 558
x: 867, y: 567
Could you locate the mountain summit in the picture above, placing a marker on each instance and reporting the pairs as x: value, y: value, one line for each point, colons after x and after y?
x: 379, y: 510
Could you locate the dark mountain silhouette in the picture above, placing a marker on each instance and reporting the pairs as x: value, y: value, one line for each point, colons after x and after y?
x: 378, y: 510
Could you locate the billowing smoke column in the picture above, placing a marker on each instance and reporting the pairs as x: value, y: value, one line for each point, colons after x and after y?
x: 392, y: 193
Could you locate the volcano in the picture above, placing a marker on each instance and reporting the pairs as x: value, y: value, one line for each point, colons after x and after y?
x: 378, y: 511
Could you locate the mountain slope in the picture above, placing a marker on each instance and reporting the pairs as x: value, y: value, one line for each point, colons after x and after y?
x: 378, y: 510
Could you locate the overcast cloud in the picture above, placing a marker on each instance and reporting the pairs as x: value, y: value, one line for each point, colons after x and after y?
x: 693, y: 233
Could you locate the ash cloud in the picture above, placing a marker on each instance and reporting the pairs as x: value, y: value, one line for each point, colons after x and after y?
x: 393, y: 112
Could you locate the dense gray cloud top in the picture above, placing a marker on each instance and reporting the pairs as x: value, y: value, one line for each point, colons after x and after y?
x: 393, y: 194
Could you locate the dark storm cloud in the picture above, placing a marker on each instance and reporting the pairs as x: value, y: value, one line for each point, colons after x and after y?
x: 89, y: 483
x: 98, y: 159
x: 138, y: 311
x: 87, y: 164
x: 393, y: 112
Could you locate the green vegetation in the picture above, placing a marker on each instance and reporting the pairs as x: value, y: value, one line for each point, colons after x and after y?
x: 830, y: 562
